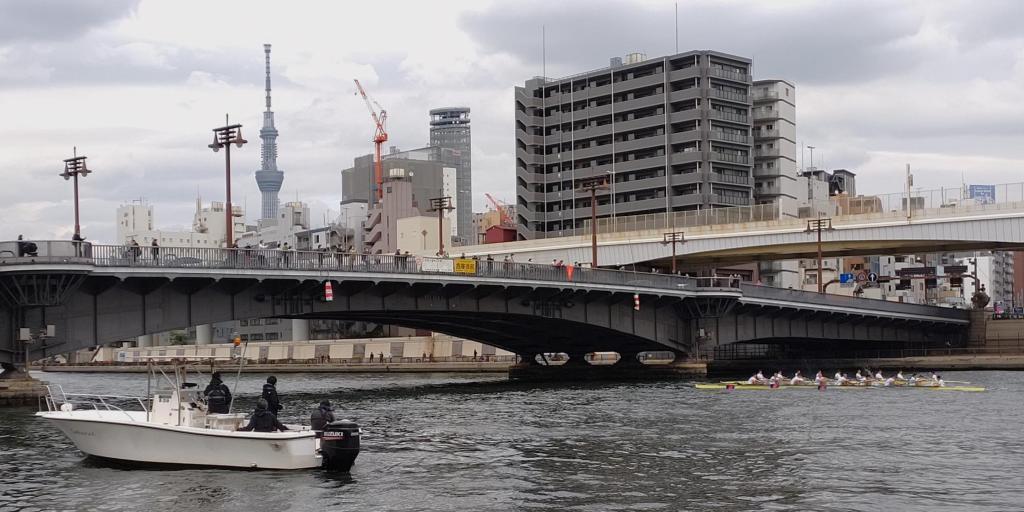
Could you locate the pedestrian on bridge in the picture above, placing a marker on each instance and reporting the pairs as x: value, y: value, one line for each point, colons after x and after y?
x: 154, y: 250
x: 135, y: 250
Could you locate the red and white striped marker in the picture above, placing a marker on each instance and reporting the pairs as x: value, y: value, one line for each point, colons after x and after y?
x: 328, y: 292
x: 636, y: 302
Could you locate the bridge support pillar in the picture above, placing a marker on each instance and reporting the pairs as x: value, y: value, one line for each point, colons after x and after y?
x: 300, y: 329
x: 146, y: 340
x: 204, y: 334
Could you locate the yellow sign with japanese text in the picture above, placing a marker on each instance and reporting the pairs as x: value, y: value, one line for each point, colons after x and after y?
x: 465, y: 266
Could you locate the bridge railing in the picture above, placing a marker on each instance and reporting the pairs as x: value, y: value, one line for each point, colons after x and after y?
x: 866, y: 304
x: 326, y: 261
x: 43, y: 251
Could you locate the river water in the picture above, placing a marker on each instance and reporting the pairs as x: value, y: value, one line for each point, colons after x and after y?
x: 477, y: 443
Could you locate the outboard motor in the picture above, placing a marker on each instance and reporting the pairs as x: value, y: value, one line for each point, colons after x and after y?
x: 339, y: 445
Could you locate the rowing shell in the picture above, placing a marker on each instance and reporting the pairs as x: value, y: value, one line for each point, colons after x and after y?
x: 759, y: 387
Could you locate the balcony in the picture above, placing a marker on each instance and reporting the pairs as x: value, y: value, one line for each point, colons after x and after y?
x: 729, y: 157
x: 763, y: 191
x: 729, y: 95
x: 685, y: 115
x: 762, y: 114
x: 731, y: 200
x: 766, y: 153
x: 765, y: 95
x: 685, y: 136
x: 653, y: 100
x: 729, y: 116
x: 718, y: 177
x: 766, y: 134
x: 729, y: 74
x: 686, y: 157
x: 727, y: 136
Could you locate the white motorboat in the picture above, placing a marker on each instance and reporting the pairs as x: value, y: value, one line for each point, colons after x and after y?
x: 172, y: 426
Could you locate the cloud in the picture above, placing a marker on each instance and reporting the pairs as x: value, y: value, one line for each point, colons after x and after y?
x: 864, y: 39
x: 58, y: 20
x: 137, y: 86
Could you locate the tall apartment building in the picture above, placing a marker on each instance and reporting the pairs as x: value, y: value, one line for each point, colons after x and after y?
x: 669, y: 134
x: 450, y: 131
x: 775, y: 166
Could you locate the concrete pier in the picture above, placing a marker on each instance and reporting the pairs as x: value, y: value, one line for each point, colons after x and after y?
x: 19, y: 389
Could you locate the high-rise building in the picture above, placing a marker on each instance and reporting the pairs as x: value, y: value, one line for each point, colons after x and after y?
x: 775, y: 167
x: 669, y: 134
x: 450, y: 131
x: 269, y: 178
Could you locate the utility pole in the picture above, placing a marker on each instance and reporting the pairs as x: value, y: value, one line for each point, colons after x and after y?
x: 224, y: 137
x: 440, y: 205
x: 73, y: 168
x: 673, y: 238
x: 593, y: 185
x: 818, y: 225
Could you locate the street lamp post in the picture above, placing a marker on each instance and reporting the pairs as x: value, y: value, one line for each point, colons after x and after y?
x: 593, y: 185
x: 224, y: 137
x: 673, y: 238
x: 818, y: 225
x: 73, y: 168
x: 440, y: 205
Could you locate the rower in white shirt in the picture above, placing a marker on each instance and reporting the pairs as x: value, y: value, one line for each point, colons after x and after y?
x: 878, y: 375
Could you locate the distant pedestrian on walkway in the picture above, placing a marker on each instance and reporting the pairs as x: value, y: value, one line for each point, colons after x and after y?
x: 154, y: 250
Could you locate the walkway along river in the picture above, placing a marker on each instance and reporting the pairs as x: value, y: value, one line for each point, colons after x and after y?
x: 470, y: 442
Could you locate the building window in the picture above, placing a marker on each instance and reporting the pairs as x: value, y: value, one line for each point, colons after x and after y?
x: 273, y: 336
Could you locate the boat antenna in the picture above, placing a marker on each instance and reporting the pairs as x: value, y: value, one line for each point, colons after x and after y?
x: 238, y: 376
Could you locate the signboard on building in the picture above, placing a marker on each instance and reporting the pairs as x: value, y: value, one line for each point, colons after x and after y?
x: 984, y: 194
x: 437, y: 265
x: 916, y: 271
x: 955, y: 269
x: 465, y: 266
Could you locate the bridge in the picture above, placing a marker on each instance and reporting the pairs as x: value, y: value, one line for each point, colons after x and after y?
x: 96, y: 294
x: 735, y: 235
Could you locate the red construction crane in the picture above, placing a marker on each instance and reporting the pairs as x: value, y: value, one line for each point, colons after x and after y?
x: 502, y: 208
x: 380, y: 136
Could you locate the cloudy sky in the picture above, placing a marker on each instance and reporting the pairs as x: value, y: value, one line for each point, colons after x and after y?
x: 138, y: 84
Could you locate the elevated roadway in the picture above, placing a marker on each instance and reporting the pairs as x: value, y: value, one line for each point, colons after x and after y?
x: 998, y: 226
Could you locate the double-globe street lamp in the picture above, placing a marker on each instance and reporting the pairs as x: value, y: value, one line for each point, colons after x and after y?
x: 593, y: 185
x: 73, y: 168
x: 224, y: 137
x: 675, y: 237
x: 819, y: 225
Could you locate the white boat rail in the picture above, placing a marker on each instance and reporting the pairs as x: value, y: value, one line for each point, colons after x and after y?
x: 56, y: 398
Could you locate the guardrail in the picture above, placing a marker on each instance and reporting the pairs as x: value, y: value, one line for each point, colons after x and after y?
x: 276, y: 259
x: 734, y: 352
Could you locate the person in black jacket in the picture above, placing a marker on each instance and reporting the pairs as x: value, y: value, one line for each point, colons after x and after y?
x: 322, y: 416
x: 270, y: 395
x: 262, y: 420
x: 218, y: 395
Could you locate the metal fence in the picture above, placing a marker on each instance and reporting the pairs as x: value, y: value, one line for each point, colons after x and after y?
x: 323, y: 261
x: 743, y: 351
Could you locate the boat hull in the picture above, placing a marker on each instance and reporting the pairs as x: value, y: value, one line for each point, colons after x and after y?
x: 136, y: 442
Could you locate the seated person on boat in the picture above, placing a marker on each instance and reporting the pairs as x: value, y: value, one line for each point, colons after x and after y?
x: 262, y: 420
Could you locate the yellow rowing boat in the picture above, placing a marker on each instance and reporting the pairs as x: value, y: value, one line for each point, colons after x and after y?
x: 765, y: 387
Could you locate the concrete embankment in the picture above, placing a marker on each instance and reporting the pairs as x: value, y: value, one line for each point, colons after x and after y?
x: 21, y: 391
x: 909, y: 364
x: 440, y: 367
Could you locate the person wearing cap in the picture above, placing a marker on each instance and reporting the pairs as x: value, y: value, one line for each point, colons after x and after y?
x: 270, y: 395
x: 218, y: 395
x: 262, y: 420
x: 322, y: 416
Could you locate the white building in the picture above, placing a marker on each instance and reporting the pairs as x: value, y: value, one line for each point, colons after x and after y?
x: 136, y: 220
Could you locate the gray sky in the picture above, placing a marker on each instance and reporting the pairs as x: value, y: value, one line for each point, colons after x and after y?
x: 138, y: 84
